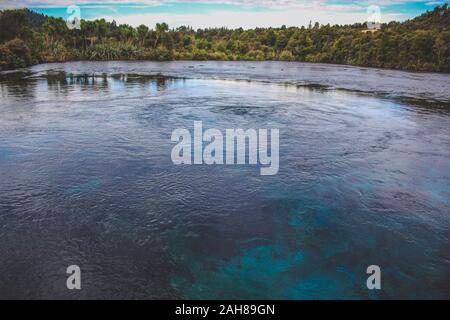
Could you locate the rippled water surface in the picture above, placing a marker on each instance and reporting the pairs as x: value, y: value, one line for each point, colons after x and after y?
x: 87, y: 179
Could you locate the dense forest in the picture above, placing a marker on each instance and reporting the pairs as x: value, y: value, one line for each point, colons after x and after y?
x: 422, y: 43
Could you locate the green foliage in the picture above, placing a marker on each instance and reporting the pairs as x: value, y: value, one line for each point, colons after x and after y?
x: 422, y: 43
x: 11, y: 24
x: 15, y: 54
x: 6, y: 58
x: 113, y: 51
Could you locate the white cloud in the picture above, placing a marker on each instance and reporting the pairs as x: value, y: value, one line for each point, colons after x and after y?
x: 279, y: 12
x: 435, y: 3
x: 247, y: 19
x: 264, y: 3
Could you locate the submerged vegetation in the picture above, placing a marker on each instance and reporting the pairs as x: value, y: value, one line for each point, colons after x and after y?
x: 421, y: 44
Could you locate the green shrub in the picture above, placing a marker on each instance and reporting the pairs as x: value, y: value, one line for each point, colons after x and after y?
x: 6, y: 57
x: 287, y: 55
x: 20, y: 50
x: 14, y: 54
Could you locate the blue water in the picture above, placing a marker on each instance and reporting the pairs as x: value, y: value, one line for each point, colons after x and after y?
x: 87, y: 179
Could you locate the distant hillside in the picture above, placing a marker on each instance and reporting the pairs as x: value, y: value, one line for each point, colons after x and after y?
x: 421, y: 44
x: 437, y: 19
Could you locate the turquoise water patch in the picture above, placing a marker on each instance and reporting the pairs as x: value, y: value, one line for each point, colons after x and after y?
x: 9, y: 154
x: 84, y: 187
x: 260, y: 272
x: 274, y: 268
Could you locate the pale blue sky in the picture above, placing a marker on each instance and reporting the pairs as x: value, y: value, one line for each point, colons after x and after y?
x: 230, y: 13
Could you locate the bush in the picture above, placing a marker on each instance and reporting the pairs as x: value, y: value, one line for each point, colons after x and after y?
x: 6, y: 57
x: 14, y: 54
x: 20, y: 50
x: 55, y: 52
x: 286, y: 55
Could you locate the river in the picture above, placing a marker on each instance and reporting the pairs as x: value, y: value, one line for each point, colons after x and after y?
x: 87, y: 179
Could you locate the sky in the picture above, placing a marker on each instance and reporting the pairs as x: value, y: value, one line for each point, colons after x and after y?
x: 231, y: 13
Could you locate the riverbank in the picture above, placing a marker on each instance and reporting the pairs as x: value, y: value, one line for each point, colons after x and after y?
x: 181, y: 59
x: 420, y: 44
x: 413, y: 87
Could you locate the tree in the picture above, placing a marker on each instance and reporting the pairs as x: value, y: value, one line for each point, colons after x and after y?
x: 12, y: 24
x: 161, y: 28
x: 142, y: 32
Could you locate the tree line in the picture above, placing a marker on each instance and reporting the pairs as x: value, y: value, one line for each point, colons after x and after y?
x: 421, y: 44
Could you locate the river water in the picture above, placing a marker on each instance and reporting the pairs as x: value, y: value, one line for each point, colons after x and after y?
x: 87, y: 179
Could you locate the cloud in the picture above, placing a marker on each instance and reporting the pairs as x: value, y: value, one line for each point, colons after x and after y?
x: 262, y: 3
x: 246, y: 20
x: 229, y: 13
x: 435, y: 3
